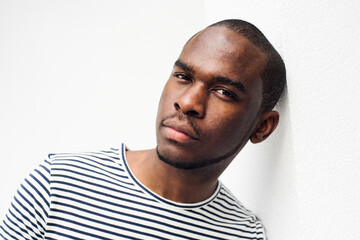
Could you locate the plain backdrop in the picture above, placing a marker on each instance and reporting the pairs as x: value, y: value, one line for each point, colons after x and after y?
x: 85, y: 75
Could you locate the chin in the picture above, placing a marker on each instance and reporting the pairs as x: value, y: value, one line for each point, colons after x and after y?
x: 180, y: 160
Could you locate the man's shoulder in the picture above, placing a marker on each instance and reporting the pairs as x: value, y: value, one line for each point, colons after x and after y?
x: 99, y: 156
x: 227, y: 214
x: 107, y: 161
x: 229, y: 205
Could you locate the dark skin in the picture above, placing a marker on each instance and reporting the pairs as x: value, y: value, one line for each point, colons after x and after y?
x: 210, y: 107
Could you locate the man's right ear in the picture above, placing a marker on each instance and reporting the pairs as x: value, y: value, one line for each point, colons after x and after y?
x: 267, y: 124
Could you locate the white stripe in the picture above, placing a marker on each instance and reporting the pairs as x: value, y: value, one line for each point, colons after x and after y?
x: 96, y: 205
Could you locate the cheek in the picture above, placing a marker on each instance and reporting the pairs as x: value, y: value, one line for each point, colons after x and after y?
x: 223, y: 122
x: 231, y: 126
x: 165, y: 103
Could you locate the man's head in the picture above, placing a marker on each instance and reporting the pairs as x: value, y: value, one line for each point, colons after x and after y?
x: 274, y: 74
x: 219, y: 95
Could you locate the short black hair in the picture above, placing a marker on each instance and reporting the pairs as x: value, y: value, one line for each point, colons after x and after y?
x: 274, y: 74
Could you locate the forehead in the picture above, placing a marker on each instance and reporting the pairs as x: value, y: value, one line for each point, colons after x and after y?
x: 221, y: 50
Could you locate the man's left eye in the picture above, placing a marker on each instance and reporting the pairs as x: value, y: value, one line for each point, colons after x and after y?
x: 182, y: 77
x: 225, y: 93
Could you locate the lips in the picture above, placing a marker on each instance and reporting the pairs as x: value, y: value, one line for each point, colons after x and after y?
x: 179, y: 131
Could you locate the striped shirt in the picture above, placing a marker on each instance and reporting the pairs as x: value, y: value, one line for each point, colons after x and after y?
x: 94, y: 195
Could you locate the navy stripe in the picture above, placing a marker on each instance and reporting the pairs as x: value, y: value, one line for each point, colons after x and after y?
x: 38, y: 192
x: 63, y: 234
x: 102, y: 153
x: 162, y: 199
x: 12, y: 229
x: 50, y: 238
x: 98, y: 192
x: 133, y: 216
x: 214, y: 213
x: 13, y: 223
x: 41, y: 183
x: 88, y: 164
x: 234, y: 215
x: 21, y: 221
x: 93, y: 172
x: 217, y: 202
x: 93, y: 177
x: 94, y: 195
x: 12, y: 236
x: 107, y: 224
x: 35, y: 200
x: 112, y: 152
x: 152, y: 213
x: 45, y: 168
x: 89, y: 158
x: 26, y: 210
x: 94, y: 154
x: 84, y: 225
x: 231, y: 204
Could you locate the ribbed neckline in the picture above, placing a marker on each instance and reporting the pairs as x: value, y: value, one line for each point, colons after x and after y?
x: 160, y: 198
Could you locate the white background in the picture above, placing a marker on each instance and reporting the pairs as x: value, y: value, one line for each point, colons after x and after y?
x: 83, y: 75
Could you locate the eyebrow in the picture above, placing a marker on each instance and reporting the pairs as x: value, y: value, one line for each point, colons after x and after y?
x: 184, y: 66
x: 218, y: 79
x: 228, y: 81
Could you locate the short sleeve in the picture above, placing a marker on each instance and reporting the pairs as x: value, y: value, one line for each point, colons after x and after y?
x: 28, y: 212
x: 260, y: 230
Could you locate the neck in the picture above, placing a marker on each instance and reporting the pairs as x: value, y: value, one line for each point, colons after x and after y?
x: 179, y: 185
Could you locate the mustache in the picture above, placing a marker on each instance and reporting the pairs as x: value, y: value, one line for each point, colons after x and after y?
x: 183, y: 117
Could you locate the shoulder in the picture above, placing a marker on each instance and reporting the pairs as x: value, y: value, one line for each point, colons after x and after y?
x: 235, y: 213
x: 105, y: 157
x: 64, y: 167
x: 226, y: 198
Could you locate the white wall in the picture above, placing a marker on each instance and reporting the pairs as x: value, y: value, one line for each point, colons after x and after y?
x: 83, y: 75
x: 323, y: 49
x: 304, y: 182
x: 263, y: 176
x: 68, y: 67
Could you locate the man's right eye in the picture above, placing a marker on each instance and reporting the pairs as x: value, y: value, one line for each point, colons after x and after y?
x: 183, y: 77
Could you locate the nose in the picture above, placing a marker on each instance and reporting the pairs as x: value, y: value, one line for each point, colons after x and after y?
x: 192, y: 101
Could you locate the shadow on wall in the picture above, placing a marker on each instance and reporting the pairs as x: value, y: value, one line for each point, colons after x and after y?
x: 277, y: 200
x: 263, y: 178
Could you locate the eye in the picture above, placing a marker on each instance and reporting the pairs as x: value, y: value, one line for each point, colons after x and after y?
x: 225, y: 93
x: 182, y: 77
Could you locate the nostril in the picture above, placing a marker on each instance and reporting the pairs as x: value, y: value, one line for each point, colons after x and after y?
x: 192, y: 113
x: 187, y: 109
x: 177, y: 106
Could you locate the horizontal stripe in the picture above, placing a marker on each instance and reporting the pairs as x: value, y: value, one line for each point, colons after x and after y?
x: 94, y: 195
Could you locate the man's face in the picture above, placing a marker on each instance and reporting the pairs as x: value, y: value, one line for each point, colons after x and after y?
x: 210, y: 104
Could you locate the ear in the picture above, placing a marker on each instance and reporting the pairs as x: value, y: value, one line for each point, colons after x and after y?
x: 267, y: 124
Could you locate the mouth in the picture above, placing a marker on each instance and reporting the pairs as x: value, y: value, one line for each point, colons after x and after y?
x: 179, y: 132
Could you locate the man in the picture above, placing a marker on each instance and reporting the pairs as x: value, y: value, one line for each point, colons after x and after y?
x: 220, y: 94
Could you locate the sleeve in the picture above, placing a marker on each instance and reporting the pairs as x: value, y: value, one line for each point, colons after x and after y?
x: 28, y: 212
x: 260, y: 230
